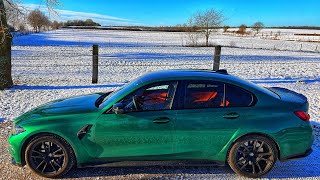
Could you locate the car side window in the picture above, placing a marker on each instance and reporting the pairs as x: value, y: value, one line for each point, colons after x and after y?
x: 203, y: 94
x: 154, y: 97
x: 238, y: 97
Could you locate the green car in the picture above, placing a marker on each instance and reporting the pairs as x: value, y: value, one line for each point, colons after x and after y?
x: 173, y: 115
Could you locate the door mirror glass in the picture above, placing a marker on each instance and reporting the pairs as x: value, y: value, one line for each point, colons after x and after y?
x: 118, y: 108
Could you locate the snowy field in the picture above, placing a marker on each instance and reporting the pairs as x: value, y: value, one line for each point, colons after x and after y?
x: 57, y: 64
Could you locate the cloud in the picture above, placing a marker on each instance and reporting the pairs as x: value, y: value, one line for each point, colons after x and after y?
x: 64, y: 15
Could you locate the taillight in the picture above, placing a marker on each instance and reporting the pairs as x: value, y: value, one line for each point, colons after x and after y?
x: 302, y: 115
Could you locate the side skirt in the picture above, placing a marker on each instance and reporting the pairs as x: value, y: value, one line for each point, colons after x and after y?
x: 154, y: 163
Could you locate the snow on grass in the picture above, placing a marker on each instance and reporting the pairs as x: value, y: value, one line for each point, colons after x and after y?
x: 63, y: 67
x: 112, y: 38
x: 54, y: 70
x: 57, y: 64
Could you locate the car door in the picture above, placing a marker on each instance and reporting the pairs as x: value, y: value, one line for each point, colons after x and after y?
x: 206, y: 121
x: 141, y: 133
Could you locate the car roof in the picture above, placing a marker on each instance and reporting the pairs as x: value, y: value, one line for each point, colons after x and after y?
x: 194, y: 74
x: 185, y: 74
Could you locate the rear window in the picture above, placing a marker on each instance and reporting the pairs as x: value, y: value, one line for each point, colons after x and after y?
x: 203, y: 94
x: 213, y: 94
x: 238, y: 97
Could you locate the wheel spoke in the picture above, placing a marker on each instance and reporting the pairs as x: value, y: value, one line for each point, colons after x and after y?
x: 243, y: 152
x: 244, y: 165
x: 58, y: 156
x: 57, y: 164
x: 40, y: 153
x: 43, y: 146
x: 49, y: 146
x: 264, y: 154
x: 38, y: 157
x: 44, y: 167
x: 259, y: 167
x: 255, y: 144
x: 241, y: 161
x: 40, y: 164
x: 57, y: 151
x: 253, y: 168
x: 53, y: 166
x: 266, y: 160
x: 245, y: 147
x: 261, y: 146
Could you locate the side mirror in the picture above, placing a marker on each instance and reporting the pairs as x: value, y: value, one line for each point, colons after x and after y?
x: 118, y: 108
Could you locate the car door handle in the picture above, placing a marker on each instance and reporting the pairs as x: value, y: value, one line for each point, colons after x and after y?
x: 232, y: 115
x: 161, y: 120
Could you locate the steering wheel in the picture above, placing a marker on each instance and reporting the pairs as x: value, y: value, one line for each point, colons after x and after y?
x: 137, y: 103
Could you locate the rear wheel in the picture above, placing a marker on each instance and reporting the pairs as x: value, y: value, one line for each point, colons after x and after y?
x: 49, y: 156
x: 252, y: 156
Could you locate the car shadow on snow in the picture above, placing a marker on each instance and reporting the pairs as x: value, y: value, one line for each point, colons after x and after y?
x: 150, y: 172
x: 303, y: 168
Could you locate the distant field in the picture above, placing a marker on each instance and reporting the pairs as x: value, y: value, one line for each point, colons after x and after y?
x: 267, y: 39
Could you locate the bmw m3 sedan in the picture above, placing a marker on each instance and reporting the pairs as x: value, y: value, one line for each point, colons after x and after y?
x: 172, y: 115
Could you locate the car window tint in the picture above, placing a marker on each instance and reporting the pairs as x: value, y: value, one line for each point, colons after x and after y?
x: 153, y: 97
x: 238, y: 97
x: 203, y: 94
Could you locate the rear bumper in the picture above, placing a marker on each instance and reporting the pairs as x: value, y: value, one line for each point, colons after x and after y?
x: 298, y: 156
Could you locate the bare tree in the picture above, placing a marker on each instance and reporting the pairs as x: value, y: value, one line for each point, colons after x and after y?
x: 6, y: 40
x: 192, y: 33
x: 257, y: 27
x: 56, y: 25
x: 5, y: 50
x: 208, y: 21
x: 38, y: 20
x: 225, y: 28
x: 22, y: 28
x: 242, y: 29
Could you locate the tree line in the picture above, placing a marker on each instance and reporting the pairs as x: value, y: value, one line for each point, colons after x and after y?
x: 39, y: 21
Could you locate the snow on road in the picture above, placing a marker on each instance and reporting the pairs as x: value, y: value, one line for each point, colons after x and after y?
x: 57, y: 64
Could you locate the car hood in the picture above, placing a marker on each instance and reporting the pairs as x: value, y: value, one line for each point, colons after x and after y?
x: 72, y: 105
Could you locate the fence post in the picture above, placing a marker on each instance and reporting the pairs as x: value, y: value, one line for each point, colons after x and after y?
x: 95, y: 63
x: 217, y: 54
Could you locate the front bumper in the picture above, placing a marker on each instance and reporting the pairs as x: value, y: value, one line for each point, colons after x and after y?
x: 13, y: 161
x: 15, y: 147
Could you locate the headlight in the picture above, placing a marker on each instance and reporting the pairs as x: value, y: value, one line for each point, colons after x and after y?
x: 17, y: 130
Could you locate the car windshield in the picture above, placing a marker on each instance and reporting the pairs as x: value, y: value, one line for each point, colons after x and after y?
x: 114, y: 92
x: 112, y: 96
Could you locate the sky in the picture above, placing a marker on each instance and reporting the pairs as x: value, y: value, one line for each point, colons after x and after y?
x: 173, y: 12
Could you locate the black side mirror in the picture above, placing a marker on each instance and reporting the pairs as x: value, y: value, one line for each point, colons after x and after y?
x: 118, y: 108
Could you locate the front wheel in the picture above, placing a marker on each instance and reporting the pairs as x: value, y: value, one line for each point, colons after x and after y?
x: 49, y: 156
x: 252, y: 156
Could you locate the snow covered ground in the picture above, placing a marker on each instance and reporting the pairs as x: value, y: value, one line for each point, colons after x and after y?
x: 142, y: 38
x: 57, y: 64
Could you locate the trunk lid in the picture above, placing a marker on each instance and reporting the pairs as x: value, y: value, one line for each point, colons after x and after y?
x: 296, y: 99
